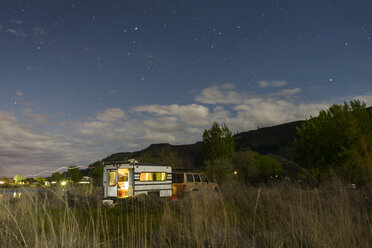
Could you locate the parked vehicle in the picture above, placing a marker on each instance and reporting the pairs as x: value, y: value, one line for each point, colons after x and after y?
x: 122, y: 180
x: 184, y: 182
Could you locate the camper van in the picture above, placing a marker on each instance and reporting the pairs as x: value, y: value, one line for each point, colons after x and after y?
x: 122, y: 180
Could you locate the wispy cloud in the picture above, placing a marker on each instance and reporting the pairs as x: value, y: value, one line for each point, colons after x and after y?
x: 274, y: 83
x: 16, y: 32
x: 18, y: 22
x: 110, y: 115
x: 38, y: 31
x: 38, y: 118
x: 19, y: 93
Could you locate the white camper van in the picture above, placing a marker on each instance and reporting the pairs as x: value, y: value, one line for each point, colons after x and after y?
x: 122, y: 180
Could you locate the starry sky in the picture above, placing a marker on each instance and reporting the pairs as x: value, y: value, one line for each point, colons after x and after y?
x: 80, y: 80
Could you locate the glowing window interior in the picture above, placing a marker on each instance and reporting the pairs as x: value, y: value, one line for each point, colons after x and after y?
x: 112, y: 178
x: 153, y: 176
x: 123, y: 183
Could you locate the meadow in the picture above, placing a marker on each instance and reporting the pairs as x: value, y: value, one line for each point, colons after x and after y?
x: 283, y: 215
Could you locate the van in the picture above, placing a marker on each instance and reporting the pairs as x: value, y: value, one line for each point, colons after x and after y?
x: 185, y: 182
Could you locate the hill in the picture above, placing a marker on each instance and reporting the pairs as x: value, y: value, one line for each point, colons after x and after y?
x: 278, y: 140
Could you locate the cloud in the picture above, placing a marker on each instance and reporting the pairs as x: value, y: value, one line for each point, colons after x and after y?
x: 115, y: 130
x: 223, y: 95
x: 23, y: 148
x: 37, y: 32
x: 286, y: 92
x: 274, y: 83
x: 18, y: 33
x: 228, y: 86
x: 192, y: 114
x: 18, y: 22
x: 11, y: 31
x: 215, y: 95
x: 38, y: 118
x: 111, y: 115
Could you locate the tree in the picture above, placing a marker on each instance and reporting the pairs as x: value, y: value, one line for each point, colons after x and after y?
x: 169, y: 157
x: 245, y: 166
x: 56, y: 176
x: 97, y: 175
x: 75, y: 174
x: 268, y: 166
x: 18, y: 178
x: 339, y: 139
x: 251, y: 167
x: 220, y: 170
x: 218, y: 142
x: 40, y: 180
x: 218, y: 149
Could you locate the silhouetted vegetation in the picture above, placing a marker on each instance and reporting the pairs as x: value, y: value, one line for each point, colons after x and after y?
x: 339, y: 140
x: 285, y: 215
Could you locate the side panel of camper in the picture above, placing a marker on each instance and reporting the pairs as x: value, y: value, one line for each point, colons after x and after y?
x: 153, y: 179
x: 126, y: 180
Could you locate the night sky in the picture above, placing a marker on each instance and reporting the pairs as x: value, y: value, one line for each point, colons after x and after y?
x: 80, y: 80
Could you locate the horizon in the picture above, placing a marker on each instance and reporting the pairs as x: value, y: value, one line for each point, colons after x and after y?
x: 81, y: 81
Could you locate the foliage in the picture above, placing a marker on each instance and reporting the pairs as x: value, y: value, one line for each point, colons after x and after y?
x: 56, y: 176
x: 18, y: 178
x: 251, y: 167
x: 218, y: 142
x: 40, y: 180
x: 220, y: 170
x: 169, y: 157
x: 245, y: 165
x: 97, y: 175
x: 268, y: 166
x: 284, y: 215
x: 75, y: 174
x: 339, y: 139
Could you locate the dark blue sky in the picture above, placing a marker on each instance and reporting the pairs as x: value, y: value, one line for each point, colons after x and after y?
x: 106, y: 76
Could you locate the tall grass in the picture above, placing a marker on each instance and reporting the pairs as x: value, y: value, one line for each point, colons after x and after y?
x: 285, y: 215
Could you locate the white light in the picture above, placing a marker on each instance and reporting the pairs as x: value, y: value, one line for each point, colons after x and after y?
x: 63, y: 183
x: 84, y: 182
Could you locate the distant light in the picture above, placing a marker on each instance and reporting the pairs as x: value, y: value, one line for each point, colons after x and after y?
x: 63, y: 183
x: 235, y: 172
x: 84, y: 182
x: 2, y: 182
x: 53, y: 182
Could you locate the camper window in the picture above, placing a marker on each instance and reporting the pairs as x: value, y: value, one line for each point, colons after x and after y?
x: 153, y: 176
x: 112, y: 178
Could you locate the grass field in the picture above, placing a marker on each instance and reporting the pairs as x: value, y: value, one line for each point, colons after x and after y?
x: 284, y: 215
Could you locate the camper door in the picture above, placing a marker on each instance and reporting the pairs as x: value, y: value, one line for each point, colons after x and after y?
x: 112, y: 187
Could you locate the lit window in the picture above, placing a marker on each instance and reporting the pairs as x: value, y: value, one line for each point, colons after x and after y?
x: 153, y: 176
x: 112, y: 178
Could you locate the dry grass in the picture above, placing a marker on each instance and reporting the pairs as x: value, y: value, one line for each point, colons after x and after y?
x: 280, y: 216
